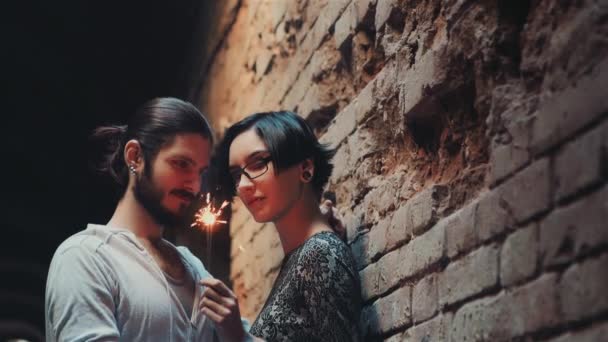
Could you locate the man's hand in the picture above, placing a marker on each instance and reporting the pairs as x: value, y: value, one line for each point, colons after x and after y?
x: 220, y: 304
x: 333, y: 218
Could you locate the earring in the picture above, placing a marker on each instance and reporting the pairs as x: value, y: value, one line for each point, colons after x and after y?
x: 132, y: 169
x: 307, y: 175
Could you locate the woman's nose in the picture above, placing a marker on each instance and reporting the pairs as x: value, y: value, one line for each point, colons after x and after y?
x: 244, y: 183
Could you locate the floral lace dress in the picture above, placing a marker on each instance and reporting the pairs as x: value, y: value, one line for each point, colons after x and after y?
x: 316, y: 296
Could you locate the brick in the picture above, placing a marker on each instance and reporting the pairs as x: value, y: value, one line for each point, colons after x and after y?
x: 384, y: 10
x: 354, y: 223
x: 568, y: 110
x: 519, y: 256
x: 460, y: 230
x: 596, y: 332
x: 277, y: 12
x: 422, y: 252
x: 386, y: 80
x: 360, y: 250
x: 421, y: 85
x: 262, y: 63
x: 528, y: 192
x: 577, y: 166
x: 370, y: 282
x: 381, y: 199
x: 389, y: 266
x: 395, y: 310
x: 574, y: 230
x: 363, y: 143
x: 299, y: 89
x: 345, y: 26
x: 491, y: 217
x: 341, y: 127
x: 423, y: 207
x: 343, y: 164
x: 310, y: 103
x: 397, y: 232
x: 315, y: 36
x: 418, y: 213
x: 535, y: 304
x: 364, y: 102
x: 425, y: 301
x: 469, y: 276
x: 436, y: 329
x: 364, y: 8
x: 582, y: 289
x: 509, y: 314
x: 505, y: 159
x: 378, y: 236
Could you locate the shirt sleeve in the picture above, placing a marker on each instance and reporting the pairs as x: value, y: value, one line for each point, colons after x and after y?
x: 330, y: 294
x: 80, y: 300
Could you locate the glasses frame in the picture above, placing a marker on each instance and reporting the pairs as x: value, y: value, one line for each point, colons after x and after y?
x: 242, y: 171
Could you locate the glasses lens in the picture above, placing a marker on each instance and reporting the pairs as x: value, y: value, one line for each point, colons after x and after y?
x: 257, y: 168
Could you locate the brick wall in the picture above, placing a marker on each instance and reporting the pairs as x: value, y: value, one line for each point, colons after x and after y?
x: 472, y: 155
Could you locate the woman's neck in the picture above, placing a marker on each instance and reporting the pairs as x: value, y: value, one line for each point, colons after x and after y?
x: 300, y: 222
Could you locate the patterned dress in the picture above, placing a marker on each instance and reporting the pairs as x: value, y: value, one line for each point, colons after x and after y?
x: 316, y: 296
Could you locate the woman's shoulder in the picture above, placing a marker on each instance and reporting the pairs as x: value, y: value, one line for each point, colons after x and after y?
x: 326, y: 246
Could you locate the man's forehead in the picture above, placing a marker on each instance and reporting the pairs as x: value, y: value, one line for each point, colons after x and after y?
x: 189, y: 146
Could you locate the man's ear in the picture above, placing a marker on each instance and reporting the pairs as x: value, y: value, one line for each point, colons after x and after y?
x: 133, y: 154
x: 307, y: 170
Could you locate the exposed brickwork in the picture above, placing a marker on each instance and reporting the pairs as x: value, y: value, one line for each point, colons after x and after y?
x: 472, y: 155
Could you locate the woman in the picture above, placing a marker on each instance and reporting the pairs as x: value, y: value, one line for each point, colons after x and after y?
x: 276, y: 166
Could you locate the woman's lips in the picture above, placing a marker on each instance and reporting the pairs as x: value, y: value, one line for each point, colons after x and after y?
x: 254, y: 201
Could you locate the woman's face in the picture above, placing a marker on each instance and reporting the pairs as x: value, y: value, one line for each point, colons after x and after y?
x: 269, y: 196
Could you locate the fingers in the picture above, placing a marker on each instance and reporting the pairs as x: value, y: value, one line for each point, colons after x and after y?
x: 215, y: 307
x: 218, y: 286
x: 213, y: 295
x: 212, y: 315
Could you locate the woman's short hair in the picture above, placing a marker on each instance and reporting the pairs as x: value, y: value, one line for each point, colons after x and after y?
x: 290, y: 140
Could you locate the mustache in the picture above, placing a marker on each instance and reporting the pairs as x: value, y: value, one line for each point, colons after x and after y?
x: 185, y: 193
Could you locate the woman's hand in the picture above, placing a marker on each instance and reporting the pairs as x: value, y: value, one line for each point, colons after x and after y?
x: 220, y: 304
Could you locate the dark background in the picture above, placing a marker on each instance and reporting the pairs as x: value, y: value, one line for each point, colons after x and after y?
x: 68, y: 67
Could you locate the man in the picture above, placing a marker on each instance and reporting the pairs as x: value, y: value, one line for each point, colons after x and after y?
x: 123, y: 281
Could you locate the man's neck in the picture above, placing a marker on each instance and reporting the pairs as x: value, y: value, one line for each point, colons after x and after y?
x: 130, y: 214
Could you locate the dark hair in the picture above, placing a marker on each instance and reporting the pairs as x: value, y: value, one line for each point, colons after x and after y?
x: 153, y: 125
x: 289, y: 139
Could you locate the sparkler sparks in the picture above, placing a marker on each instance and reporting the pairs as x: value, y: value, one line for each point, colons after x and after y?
x: 208, y: 215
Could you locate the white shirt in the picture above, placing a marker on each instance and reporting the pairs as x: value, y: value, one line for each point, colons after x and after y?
x: 103, y: 285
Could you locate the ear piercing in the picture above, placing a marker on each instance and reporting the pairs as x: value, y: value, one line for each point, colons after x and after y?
x: 307, y: 175
x: 132, y: 169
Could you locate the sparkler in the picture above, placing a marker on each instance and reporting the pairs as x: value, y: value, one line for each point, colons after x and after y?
x: 207, y: 216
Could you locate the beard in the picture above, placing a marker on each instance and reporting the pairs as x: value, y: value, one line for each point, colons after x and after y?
x: 150, y: 197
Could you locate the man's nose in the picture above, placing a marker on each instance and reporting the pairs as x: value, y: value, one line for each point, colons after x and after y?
x: 193, y: 183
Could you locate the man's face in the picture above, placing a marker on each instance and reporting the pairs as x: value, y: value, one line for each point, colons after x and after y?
x: 169, y: 188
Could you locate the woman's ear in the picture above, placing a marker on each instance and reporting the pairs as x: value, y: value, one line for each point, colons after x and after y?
x: 307, y: 168
x: 132, y: 155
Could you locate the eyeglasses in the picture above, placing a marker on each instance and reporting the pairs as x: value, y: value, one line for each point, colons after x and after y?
x: 252, y: 170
